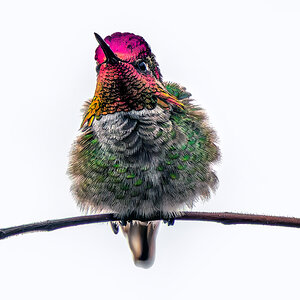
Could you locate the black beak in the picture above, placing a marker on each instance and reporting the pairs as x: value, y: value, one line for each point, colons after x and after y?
x: 111, y: 58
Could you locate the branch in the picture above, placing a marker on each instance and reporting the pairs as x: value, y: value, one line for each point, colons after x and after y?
x: 223, y: 217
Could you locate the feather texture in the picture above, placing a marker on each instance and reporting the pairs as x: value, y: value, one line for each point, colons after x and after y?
x: 141, y: 163
x: 145, y: 149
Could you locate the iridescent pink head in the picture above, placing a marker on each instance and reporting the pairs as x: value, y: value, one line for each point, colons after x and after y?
x: 128, y: 78
x: 127, y: 47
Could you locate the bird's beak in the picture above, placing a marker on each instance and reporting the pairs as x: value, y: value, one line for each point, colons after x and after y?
x: 111, y: 58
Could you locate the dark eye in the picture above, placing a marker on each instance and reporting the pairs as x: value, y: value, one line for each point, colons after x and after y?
x: 142, y: 66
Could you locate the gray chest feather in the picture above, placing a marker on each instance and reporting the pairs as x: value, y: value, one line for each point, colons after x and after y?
x: 136, y: 136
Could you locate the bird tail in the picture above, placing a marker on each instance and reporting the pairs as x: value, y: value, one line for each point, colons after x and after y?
x: 141, y: 237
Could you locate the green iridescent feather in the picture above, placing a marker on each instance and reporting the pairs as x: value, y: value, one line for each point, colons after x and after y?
x: 98, y: 172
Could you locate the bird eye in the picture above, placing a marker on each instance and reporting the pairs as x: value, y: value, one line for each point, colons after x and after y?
x: 142, y: 66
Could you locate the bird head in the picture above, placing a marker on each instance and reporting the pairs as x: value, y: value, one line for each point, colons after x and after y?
x: 128, y: 78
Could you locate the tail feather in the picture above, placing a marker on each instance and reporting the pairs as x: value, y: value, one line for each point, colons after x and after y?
x: 141, y: 237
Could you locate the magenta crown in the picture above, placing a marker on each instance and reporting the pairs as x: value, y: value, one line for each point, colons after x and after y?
x: 127, y: 46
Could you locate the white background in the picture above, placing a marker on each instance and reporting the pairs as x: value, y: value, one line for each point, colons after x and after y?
x: 240, y: 60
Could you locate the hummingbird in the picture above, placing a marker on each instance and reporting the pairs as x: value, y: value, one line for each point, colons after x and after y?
x: 145, y: 148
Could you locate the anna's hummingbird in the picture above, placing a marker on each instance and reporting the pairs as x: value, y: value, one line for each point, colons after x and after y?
x: 145, y: 149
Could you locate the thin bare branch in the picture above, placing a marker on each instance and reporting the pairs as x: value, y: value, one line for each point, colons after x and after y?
x: 222, y: 217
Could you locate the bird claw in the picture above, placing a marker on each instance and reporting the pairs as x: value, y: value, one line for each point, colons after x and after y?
x: 114, y: 227
x: 169, y: 221
x: 123, y: 222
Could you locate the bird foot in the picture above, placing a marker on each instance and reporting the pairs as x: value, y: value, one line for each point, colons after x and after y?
x: 114, y: 227
x: 123, y: 222
x: 169, y: 221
